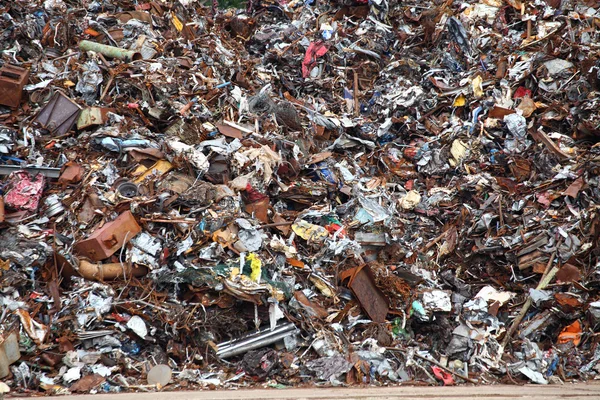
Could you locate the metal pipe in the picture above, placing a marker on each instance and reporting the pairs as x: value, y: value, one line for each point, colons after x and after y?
x: 109, y: 271
x: 110, y: 51
x: 253, y: 337
x: 254, y: 334
x: 261, y: 343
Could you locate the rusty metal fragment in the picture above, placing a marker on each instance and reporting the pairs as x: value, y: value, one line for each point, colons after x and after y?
x: 362, y: 284
x: 59, y: 115
x: 12, y: 80
x: 104, y: 242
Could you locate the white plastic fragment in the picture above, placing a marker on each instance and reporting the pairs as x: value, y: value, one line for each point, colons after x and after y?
x: 72, y: 374
x: 137, y: 325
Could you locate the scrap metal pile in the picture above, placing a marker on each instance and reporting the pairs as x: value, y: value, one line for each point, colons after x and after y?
x: 330, y: 193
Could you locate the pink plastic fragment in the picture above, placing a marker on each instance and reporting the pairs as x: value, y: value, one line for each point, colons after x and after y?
x: 443, y: 376
x: 24, y: 191
x: 314, y: 51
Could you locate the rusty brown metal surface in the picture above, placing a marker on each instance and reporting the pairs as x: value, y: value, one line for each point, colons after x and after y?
x: 71, y: 173
x: 259, y: 209
x: 12, y: 80
x: 372, y: 300
x: 59, y: 115
x: 104, y: 242
x: 1, y: 208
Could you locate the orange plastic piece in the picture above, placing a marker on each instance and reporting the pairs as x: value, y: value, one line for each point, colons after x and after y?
x: 571, y: 333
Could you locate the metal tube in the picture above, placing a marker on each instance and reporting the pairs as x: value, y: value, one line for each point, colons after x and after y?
x: 254, y: 334
x: 249, y: 343
x: 223, y: 347
x: 110, y: 51
x: 261, y: 343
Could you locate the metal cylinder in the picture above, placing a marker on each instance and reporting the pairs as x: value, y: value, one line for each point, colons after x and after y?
x: 110, y: 51
x: 128, y: 189
x: 257, y: 335
x: 256, y: 345
x: 53, y: 205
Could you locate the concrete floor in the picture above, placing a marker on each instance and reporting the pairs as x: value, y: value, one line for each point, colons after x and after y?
x: 572, y: 392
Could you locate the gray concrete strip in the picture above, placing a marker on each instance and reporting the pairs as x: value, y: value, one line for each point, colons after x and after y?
x: 500, y: 392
